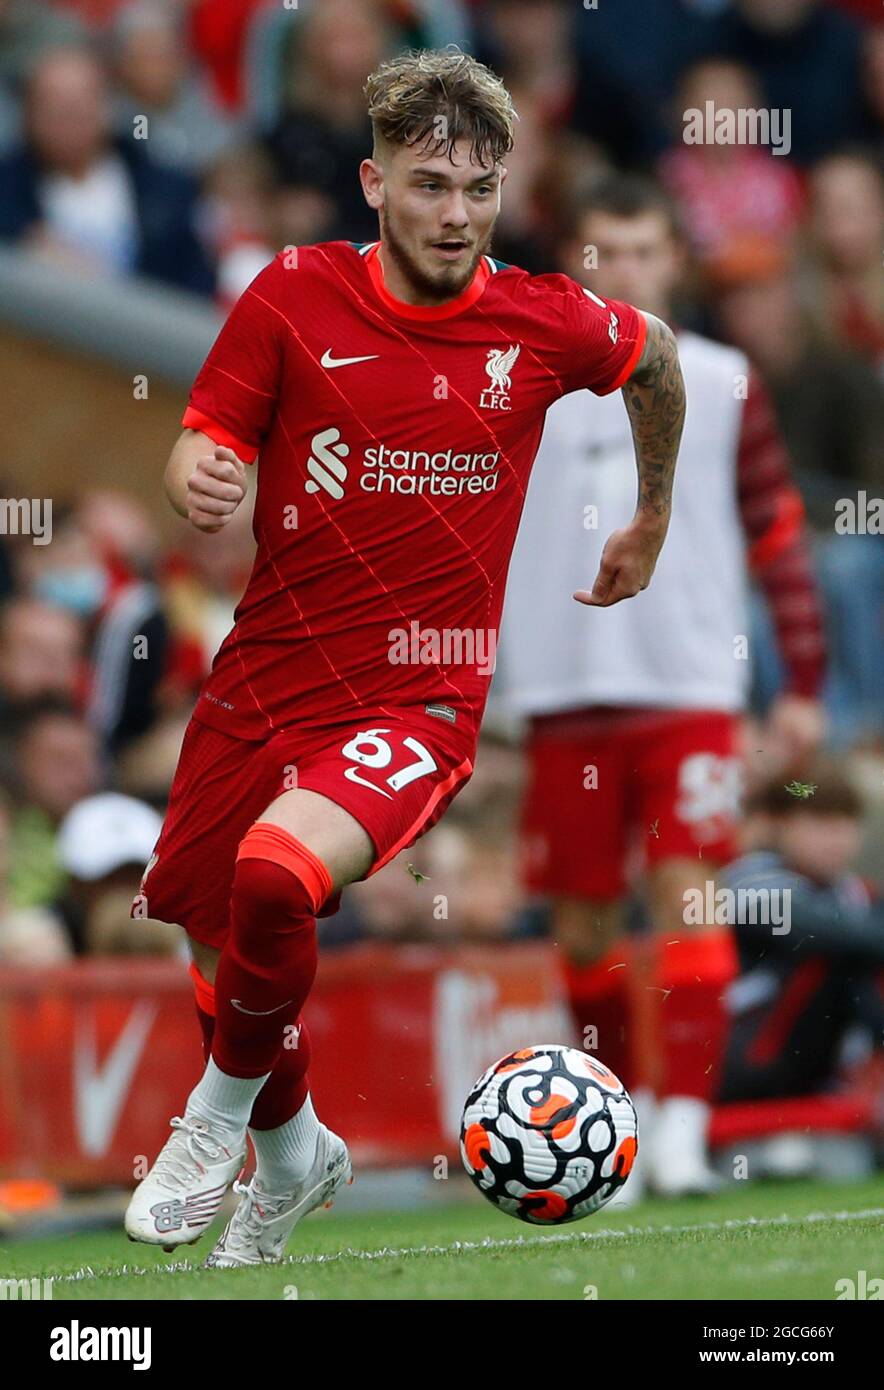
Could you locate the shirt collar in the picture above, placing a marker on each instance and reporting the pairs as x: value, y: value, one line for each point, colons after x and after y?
x: 425, y: 312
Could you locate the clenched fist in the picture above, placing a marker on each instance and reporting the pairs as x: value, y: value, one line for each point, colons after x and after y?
x: 215, y: 489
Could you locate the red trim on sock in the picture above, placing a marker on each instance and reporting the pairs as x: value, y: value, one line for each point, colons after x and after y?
x: 205, y: 993
x: 603, y: 976
x: 712, y: 955
x: 264, y: 840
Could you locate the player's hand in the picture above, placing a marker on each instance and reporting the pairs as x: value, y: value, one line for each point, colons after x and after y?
x: 215, y: 489
x: 627, y: 563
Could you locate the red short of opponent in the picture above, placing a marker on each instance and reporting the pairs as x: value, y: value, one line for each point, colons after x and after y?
x: 395, y: 775
x: 613, y: 790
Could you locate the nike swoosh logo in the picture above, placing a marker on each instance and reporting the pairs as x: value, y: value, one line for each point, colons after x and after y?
x: 353, y: 776
x: 329, y: 361
x: 259, y: 1013
x: 100, y: 1091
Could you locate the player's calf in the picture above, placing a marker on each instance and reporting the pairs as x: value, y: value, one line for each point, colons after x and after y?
x: 268, y: 964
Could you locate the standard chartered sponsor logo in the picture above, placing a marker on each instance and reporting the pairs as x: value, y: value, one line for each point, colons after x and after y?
x: 325, y: 464
x: 444, y: 473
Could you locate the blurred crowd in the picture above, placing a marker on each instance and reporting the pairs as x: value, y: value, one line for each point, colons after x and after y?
x: 189, y: 141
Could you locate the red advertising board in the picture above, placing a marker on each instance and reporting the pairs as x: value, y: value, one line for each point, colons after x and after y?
x: 95, y: 1057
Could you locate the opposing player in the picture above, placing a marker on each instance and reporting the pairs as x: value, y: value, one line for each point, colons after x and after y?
x: 395, y: 393
x: 635, y: 715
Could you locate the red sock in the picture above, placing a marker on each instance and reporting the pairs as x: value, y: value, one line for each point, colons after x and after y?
x: 283, y: 1095
x: 268, y: 963
x: 693, y: 974
x: 599, y: 999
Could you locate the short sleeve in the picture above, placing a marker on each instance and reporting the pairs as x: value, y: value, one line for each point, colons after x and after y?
x: 235, y: 394
x: 605, y: 340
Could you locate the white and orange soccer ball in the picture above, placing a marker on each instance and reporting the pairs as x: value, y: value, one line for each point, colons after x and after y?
x: 548, y: 1134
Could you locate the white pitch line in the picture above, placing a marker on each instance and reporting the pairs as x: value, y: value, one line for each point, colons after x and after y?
x: 460, y: 1247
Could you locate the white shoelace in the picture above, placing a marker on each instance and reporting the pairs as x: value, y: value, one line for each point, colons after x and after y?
x: 181, y: 1160
x: 253, y: 1209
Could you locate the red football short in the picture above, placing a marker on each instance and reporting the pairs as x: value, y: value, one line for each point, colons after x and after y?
x: 395, y: 775
x: 610, y: 791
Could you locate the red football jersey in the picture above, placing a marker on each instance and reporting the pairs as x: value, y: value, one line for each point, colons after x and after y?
x: 395, y: 445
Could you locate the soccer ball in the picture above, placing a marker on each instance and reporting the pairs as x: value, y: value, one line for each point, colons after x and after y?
x: 548, y: 1134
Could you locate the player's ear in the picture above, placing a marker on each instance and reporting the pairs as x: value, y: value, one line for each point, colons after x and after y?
x: 371, y: 176
x: 501, y: 181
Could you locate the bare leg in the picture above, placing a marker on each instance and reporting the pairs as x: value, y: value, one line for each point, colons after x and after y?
x: 667, y: 884
x: 205, y: 958
x: 327, y: 829
x: 584, y: 929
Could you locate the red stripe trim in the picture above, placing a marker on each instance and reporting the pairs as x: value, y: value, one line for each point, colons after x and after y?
x: 626, y: 372
x: 194, y: 419
x: 442, y: 789
x: 771, y: 1038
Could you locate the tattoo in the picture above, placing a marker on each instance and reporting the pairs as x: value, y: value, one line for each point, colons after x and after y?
x: 655, y: 403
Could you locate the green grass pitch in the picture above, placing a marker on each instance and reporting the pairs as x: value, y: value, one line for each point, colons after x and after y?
x: 769, y: 1242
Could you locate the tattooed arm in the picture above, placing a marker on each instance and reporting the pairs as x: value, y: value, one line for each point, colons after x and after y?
x: 655, y: 403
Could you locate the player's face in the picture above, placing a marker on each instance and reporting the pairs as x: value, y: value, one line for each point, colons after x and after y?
x: 821, y: 846
x: 437, y: 215
x: 636, y: 259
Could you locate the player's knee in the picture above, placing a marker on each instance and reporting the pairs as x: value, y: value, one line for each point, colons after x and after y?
x: 278, y: 877
x: 263, y: 890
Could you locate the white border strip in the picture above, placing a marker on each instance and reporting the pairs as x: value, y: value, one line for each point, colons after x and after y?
x: 461, y: 1247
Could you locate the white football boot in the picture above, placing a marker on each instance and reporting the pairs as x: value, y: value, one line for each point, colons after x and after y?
x: 678, y: 1158
x: 182, y: 1192
x: 259, y: 1229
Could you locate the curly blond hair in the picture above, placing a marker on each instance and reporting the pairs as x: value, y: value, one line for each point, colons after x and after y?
x: 434, y: 97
